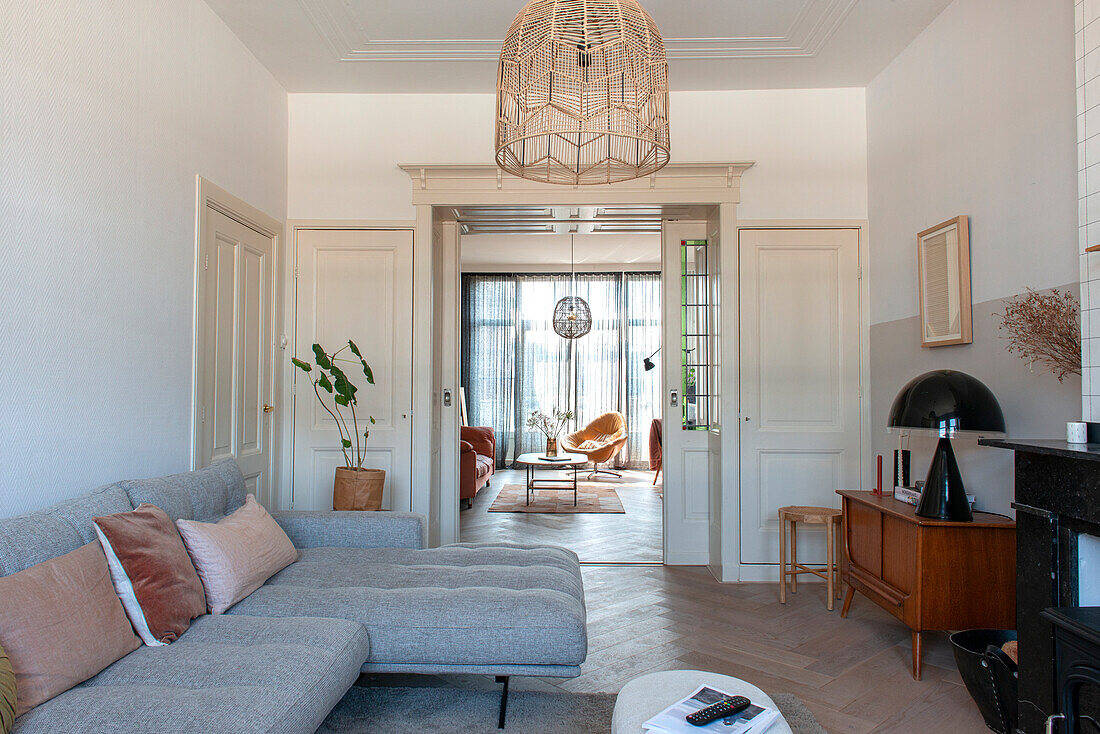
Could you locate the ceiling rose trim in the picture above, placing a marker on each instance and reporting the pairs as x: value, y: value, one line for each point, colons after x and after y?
x: 347, y: 39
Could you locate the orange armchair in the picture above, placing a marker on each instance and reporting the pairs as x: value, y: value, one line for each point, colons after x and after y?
x: 601, y: 441
x: 477, y: 460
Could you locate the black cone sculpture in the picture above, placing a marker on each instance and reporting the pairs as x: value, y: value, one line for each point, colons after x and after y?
x: 944, y: 496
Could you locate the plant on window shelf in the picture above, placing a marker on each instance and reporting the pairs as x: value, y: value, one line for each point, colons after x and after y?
x: 355, y: 488
x: 550, y: 426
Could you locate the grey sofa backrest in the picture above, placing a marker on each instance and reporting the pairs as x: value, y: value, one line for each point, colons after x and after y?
x: 26, y: 540
x: 205, y: 495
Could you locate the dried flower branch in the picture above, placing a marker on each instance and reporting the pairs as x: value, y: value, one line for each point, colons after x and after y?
x: 1045, y: 327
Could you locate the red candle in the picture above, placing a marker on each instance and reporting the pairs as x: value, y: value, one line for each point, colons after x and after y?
x: 878, y: 487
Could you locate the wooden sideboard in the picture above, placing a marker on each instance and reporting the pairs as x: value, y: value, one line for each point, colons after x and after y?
x: 930, y: 574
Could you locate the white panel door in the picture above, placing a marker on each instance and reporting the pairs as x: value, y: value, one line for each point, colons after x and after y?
x: 686, y: 454
x: 800, y: 401
x: 355, y: 284
x: 235, y: 338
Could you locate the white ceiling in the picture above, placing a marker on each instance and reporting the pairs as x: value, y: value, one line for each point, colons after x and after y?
x: 452, y: 46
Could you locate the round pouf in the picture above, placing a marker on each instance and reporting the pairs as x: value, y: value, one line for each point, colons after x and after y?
x: 650, y: 694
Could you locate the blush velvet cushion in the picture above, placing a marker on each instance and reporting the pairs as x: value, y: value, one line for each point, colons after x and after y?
x: 237, y: 554
x: 152, y: 573
x: 61, y: 623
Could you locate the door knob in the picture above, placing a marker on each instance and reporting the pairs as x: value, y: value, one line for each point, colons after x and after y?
x: 673, y: 398
x: 269, y: 408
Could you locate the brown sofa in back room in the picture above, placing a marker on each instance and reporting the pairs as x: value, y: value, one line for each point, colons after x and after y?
x: 477, y: 462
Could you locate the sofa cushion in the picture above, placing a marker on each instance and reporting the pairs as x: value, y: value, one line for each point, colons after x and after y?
x: 27, y: 540
x: 152, y: 573
x: 237, y: 554
x: 61, y: 623
x: 484, y: 465
x: 469, y: 604
x: 80, y: 511
x: 225, y: 674
x: 204, y: 495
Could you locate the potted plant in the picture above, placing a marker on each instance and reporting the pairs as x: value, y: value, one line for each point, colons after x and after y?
x: 354, y: 488
x: 550, y: 426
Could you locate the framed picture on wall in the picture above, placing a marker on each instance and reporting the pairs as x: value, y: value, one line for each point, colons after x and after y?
x: 943, y: 262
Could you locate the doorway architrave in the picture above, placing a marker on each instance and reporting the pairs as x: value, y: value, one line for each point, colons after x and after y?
x: 437, y: 188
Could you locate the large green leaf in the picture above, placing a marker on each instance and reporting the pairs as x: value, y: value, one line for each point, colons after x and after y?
x: 341, y: 400
x: 322, y: 359
x: 325, y: 383
x: 343, y: 384
x: 303, y: 366
x: 366, y: 367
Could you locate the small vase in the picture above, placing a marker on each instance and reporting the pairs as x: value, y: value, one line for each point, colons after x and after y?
x: 551, y: 447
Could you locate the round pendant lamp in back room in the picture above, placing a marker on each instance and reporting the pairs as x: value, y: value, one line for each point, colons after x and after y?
x: 582, y: 93
x: 572, y: 316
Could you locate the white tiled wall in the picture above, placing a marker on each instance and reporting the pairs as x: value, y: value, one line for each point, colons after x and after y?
x: 1087, y: 39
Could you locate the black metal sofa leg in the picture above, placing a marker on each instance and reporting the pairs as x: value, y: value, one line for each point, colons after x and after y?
x: 503, y: 700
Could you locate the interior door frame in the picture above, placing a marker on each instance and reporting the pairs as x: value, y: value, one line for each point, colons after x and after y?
x: 209, y: 194
x: 289, y: 332
x: 436, y: 188
x: 731, y: 537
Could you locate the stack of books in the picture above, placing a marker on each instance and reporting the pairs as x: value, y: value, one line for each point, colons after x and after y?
x: 911, y: 496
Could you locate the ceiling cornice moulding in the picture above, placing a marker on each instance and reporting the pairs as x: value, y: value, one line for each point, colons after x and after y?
x: 482, y: 184
x: 349, y: 41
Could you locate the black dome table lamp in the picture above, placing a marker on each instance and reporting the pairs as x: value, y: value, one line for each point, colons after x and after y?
x: 947, y: 403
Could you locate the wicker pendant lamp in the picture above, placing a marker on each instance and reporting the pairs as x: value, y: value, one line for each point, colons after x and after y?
x: 582, y: 93
x: 572, y: 316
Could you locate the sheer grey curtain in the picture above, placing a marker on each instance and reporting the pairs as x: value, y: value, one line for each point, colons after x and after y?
x: 514, y: 363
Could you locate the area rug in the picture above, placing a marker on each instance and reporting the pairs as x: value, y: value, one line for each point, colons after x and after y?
x: 592, y: 497
x: 386, y: 710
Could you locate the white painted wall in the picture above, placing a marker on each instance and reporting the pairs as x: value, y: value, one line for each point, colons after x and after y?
x: 809, y: 147
x: 110, y: 109
x: 975, y: 117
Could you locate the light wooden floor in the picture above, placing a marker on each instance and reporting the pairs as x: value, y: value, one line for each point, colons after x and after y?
x: 635, y: 535
x: 853, y: 674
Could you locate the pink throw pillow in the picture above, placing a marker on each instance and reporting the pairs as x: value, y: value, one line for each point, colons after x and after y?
x: 61, y: 623
x: 237, y: 554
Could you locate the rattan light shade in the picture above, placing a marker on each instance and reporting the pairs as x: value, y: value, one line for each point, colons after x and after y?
x: 582, y: 93
x: 572, y: 317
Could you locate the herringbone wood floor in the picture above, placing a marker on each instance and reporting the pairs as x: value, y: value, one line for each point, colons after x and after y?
x: 633, y: 536
x: 853, y: 674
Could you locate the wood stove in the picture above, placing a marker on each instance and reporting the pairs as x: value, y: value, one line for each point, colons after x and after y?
x: 1077, y: 667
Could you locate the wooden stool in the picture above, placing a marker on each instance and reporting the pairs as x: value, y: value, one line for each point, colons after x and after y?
x: 826, y: 516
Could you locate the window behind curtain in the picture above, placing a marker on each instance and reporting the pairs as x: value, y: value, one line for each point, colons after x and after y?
x: 513, y: 362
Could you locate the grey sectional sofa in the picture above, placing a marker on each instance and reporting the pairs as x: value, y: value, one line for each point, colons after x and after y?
x: 364, y: 596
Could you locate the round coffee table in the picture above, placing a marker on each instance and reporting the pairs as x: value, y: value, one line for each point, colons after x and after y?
x: 650, y: 694
x: 539, y: 461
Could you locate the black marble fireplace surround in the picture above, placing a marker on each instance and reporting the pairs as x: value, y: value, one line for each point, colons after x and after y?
x: 1057, y: 498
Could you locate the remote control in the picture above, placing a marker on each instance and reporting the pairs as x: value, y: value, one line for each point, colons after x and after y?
x: 720, y: 710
